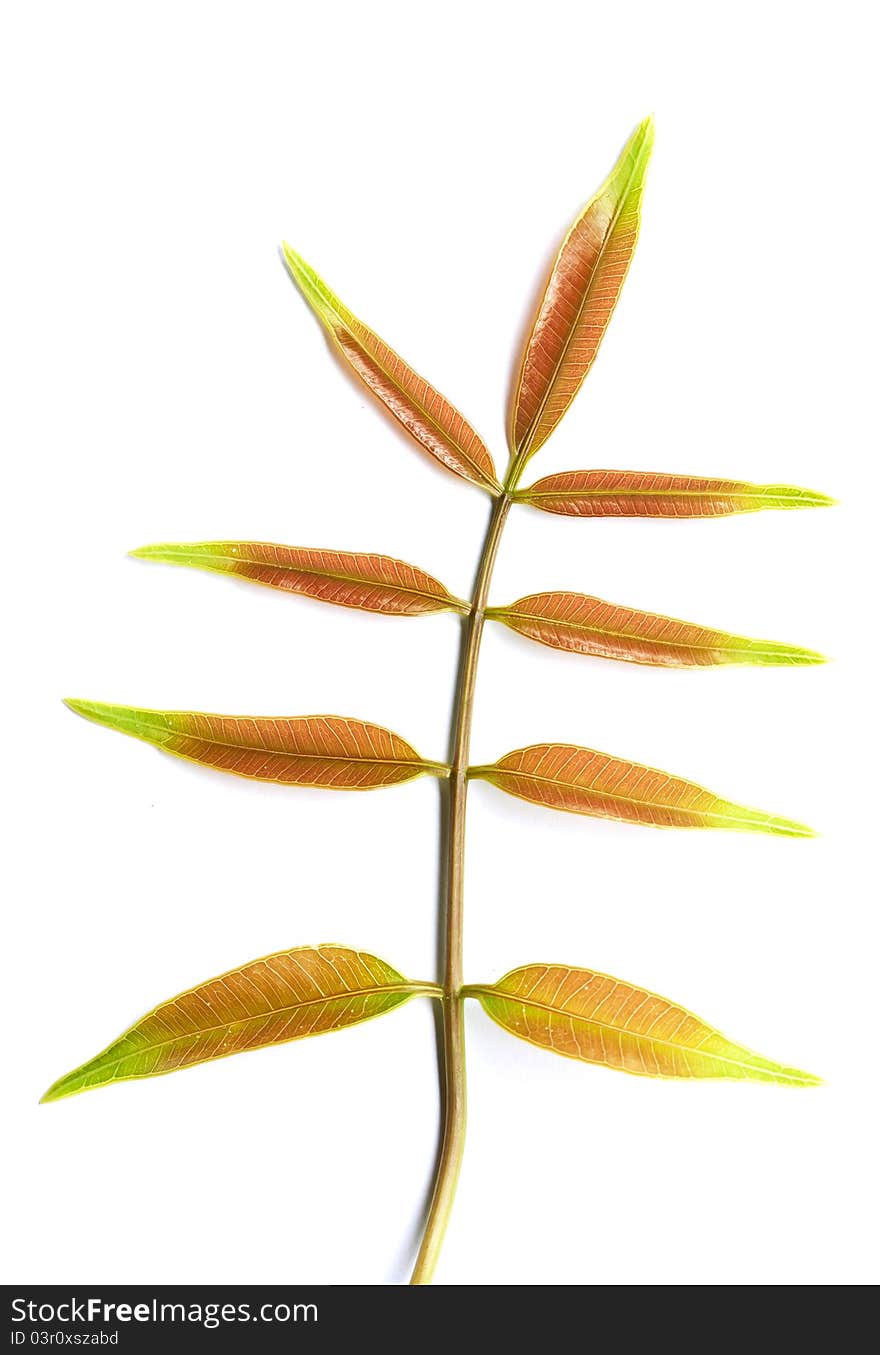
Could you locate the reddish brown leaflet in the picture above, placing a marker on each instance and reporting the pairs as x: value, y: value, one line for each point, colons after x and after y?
x: 650, y: 494
x: 372, y: 583
x: 332, y: 751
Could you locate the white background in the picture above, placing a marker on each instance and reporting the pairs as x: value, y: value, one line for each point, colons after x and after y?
x: 164, y: 381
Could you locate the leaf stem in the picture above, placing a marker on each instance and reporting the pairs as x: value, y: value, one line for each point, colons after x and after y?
x: 453, y: 1071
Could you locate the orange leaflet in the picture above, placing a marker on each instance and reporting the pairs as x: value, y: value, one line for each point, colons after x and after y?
x: 581, y: 294
x: 434, y: 423
x: 582, y: 781
x: 373, y: 583
x: 597, y: 1019
x: 285, y: 996
x: 652, y: 494
x: 587, y: 625
x: 333, y: 751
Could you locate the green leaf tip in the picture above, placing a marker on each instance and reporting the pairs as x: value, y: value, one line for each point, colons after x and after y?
x: 140, y: 724
x: 298, y: 266
x: 88, y: 709
x: 788, y: 828
x: 57, y: 1091
x: 150, y: 552
x: 746, y: 820
x: 646, y: 130
x: 170, y: 552
x: 794, y: 656
x: 75, y: 1082
x: 813, y: 499
x: 775, y: 654
x: 305, y: 277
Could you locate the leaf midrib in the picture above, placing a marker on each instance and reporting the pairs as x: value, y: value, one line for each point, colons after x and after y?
x: 613, y: 491
x: 508, y: 612
x: 283, y: 752
x: 446, y: 598
x: 410, y: 989
x: 621, y: 799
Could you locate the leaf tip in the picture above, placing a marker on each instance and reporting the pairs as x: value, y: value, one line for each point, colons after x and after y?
x: 742, y: 819
x: 789, y: 828
x: 641, y: 142
x: 314, y: 290
x: 84, y: 708
x: 166, y: 552
x: 784, y: 1076
x: 124, y: 719
x: 792, y: 656
x: 295, y: 262
x: 71, y: 1084
x: 56, y: 1092
x: 796, y: 1077
x: 810, y: 498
